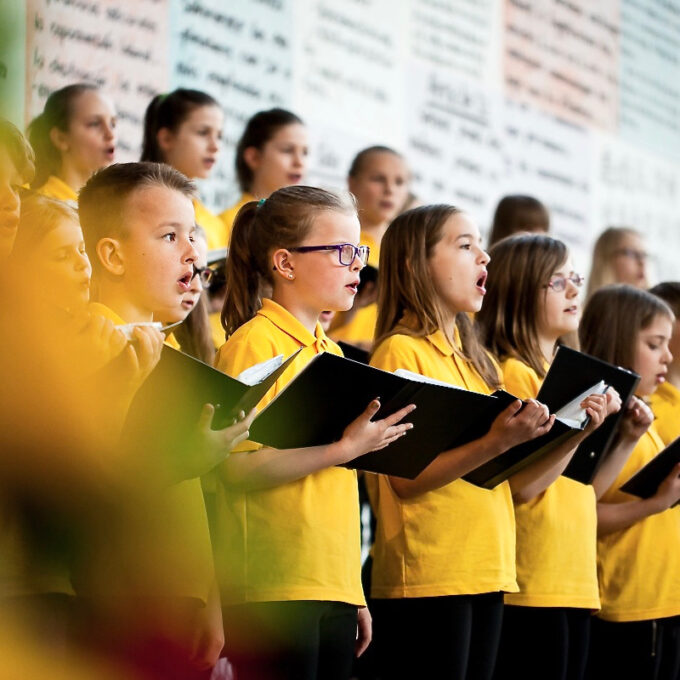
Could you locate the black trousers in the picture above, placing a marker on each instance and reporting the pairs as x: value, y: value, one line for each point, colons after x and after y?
x: 296, y: 640
x: 644, y: 650
x: 454, y: 637
x: 550, y: 643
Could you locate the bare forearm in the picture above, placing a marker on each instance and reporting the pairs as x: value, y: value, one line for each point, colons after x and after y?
x: 534, y: 479
x: 448, y: 466
x: 611, y: 466
x: 267, y: 468
x: 612, y: 517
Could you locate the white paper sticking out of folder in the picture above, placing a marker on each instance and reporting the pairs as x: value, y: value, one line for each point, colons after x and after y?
x: 257, y: 373
x: 417, y: 377
x: 572, y: 414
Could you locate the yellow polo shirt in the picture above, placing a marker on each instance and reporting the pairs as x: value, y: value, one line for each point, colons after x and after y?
x: 367, y: 239
x: 57, y: 188
x: 162, y: 545
x: 665, y: 403
x: 216, y: 329
x: 556, y: 531
x: 229, y: 215
x: 639, y: 567
x: 300, y: 540
x: 361, y: 328
x: 458, y: 539
x: 212, y: 225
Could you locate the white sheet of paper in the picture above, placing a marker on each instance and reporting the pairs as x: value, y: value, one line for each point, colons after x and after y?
x: 403, y: 373
x: 257, y: 373
x: 572, y: 414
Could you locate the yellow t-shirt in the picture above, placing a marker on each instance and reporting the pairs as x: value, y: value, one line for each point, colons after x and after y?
x: 665, y: 403
x: 212, y: 225
x: 57, y: 188
x: 360, y: 329
x: 374, y: 255
x: 298, y: 541
x: 216, y: 329
x: 229, y: 215
x: 458, y: 539
x: 161, y: 547
x: 639, y: 567
x: 556, y: 531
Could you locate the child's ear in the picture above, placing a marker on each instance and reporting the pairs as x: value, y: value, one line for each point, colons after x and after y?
x: 252, y: 156
x: 58, y: 138
x: 110, y: 256
x: 282, y: 264
x: 165, y: 138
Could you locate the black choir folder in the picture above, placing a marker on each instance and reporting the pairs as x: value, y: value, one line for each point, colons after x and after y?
x: 170, y: 401
x: 645, y: 482
x: 331, y: 391
x: 572, y: 376
x: 582, y: 369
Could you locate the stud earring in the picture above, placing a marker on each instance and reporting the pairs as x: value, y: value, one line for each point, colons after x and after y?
x: 290, y: 276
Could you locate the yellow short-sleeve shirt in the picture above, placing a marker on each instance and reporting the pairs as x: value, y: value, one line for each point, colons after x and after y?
x: 55, y: 187
x: 300, y: 540
x: 639, y: 567
x: 229, y: 215
x: 556, y: 531
x: 374, y: 255
x: 665, y: 403
x: 458, y: 539
x: 212, y: 225
x: 361, y: 328
x: 216, y: 329
x: 162, y: 547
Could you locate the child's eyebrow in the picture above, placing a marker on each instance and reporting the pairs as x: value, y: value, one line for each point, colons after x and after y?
x: 465, y: 236
x: 177, y: 225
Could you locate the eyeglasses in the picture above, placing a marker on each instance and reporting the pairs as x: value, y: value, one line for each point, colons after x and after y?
x: 347, y: 252
x: 559, y: 283
x: 639, y: 256
x: 205, y: 275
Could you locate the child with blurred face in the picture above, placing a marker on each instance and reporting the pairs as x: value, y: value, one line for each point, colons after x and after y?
x: 73, y: 137
x: 16, y: 169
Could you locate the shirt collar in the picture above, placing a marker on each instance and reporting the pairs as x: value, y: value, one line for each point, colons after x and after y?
x: 106, y: 312
x: 60, y: 187
x: 286, y: 322
x: 438, y: 339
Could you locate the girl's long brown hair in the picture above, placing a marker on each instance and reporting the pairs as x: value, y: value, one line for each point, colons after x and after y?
x: 406, y: 287
x: 260, y: 228
x: 612, y: 320
x: 519, y: 271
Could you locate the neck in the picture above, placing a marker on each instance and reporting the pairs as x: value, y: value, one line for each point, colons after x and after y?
x: 449, y: 321
x: 74, y: 177
x: 287, y: 298
x: 673, y: 376
x: 258, y: 190
x: 547, y: 346
x: 115, y: 297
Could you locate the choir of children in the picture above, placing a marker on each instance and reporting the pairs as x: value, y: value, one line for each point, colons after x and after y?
x: 541, y: 576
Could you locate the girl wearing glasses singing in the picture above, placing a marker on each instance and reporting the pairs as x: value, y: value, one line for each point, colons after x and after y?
x: 546, y: 625
x: 288, y: 545
x: 445, y: 549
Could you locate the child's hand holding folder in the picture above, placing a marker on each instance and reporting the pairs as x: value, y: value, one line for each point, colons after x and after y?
x: 520, y: 422
x: 364, y: 434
